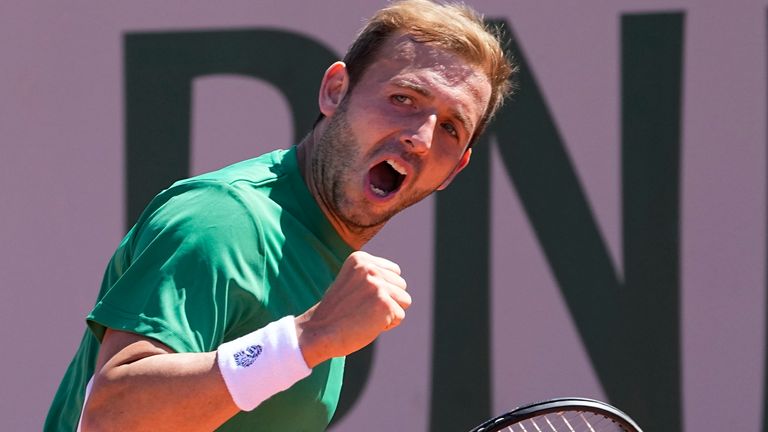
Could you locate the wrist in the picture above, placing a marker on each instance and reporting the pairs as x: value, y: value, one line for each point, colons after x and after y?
x: 262, y: 363
x: 310, y: 342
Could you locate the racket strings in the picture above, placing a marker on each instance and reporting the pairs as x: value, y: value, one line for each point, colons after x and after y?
x: 567, y: 421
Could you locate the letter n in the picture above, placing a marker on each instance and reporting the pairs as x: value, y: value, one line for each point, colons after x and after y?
x: 630, y: 327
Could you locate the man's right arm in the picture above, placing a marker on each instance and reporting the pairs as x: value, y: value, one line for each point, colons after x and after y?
x: 141, y: 384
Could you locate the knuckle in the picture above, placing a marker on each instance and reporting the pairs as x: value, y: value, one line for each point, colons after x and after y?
x: 364, y: 267
x: 371, y: 279
x: 383, y: 296
x: 357, y: 257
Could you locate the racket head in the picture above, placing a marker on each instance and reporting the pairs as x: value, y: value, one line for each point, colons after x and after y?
x: 578, y: 407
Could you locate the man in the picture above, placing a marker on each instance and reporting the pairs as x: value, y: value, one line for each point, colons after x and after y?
x: 234, y: 299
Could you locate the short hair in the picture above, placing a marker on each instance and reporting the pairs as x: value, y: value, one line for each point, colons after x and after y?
x: 454, y: 27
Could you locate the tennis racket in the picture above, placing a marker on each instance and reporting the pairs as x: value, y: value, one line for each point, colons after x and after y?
x: 562, y: 415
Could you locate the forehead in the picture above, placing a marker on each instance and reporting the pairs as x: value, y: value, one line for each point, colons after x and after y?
x: 401, y: 59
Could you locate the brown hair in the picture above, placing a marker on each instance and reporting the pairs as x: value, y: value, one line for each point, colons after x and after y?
x: 452, y: 26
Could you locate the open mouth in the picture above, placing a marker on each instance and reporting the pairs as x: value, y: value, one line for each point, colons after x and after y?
x: 386, y: 177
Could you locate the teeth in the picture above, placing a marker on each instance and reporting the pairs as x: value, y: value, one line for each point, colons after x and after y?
x: 378, y: 191
x: 396, y: 166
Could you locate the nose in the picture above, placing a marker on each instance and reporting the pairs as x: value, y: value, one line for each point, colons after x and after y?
x: 419, y: 136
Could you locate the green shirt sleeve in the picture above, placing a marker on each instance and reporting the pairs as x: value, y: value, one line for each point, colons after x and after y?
x: 185, y: 273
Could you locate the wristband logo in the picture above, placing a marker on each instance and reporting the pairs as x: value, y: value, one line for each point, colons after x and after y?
x: 247, y: 356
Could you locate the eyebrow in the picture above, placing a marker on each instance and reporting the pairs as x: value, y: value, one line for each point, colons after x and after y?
x: 466, y: 123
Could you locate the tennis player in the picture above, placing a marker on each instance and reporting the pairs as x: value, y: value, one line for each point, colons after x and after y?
x: 234, y: 299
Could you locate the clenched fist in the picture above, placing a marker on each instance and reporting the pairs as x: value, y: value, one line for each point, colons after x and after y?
x: 367, y: 298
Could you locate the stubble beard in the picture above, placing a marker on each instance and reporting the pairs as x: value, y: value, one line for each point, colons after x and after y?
x: 334, y: 170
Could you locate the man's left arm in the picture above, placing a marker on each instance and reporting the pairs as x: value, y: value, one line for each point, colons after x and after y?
x: 166, y: 390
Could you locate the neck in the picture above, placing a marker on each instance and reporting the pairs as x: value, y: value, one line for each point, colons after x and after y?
x: 355, y: 237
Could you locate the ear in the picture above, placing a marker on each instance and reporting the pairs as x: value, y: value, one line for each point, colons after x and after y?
x: 333, y: 88
x: 460, y: 166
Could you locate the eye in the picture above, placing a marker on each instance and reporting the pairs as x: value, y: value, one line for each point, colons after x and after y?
x: 402, y: 99
x: 451, y: 129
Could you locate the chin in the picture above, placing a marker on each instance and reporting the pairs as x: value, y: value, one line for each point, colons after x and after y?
x: 367, y: 220
x: 366, y: 215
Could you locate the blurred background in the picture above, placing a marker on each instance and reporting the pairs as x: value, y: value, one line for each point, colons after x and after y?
x: 608, y: 241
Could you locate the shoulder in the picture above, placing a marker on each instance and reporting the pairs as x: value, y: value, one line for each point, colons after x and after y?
x: 232, y: 203
x: 261, y: 170
x: 229, y: 193
x: 204, y: 215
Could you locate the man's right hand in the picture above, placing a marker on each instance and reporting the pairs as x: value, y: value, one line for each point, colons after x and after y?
x: 367, y: 298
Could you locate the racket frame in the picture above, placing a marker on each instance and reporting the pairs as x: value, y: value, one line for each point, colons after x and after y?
x: 558, y: 405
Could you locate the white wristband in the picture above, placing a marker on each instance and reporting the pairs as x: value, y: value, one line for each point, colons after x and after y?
x: 262, y: 363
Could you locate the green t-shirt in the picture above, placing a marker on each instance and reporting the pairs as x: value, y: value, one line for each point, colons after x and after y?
x: 212, y: 258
